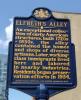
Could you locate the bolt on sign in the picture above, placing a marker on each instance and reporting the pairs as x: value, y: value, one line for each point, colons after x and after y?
x: 41, y: 52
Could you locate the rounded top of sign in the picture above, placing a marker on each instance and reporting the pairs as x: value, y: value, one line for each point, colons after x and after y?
x: 42, y: 13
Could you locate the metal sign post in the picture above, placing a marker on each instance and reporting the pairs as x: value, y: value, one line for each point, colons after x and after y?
x: 42, y: 93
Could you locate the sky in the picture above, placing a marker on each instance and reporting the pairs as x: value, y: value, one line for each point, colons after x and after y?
x: 11, y: 8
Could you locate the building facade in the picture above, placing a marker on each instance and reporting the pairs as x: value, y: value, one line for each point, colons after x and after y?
x: 75, y: 21
x: 3, y: 76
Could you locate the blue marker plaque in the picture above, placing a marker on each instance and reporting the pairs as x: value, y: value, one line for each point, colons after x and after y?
x: 42, y: 53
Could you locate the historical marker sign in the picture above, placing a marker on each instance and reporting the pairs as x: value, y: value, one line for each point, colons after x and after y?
x: 42, y: 51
